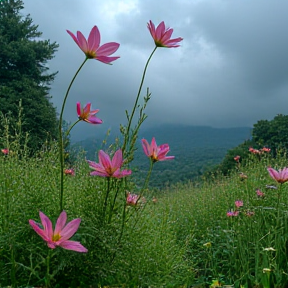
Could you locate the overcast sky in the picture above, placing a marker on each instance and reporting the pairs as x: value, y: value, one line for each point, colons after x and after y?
x: 230, y: 71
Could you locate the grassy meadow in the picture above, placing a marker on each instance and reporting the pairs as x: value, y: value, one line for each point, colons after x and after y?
x: 179, y: 237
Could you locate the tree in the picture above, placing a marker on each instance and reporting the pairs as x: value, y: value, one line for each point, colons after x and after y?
x: 272, y: 134
x: 24, y: 73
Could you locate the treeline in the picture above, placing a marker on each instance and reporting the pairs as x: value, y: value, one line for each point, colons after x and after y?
x: 271, y: 134
x: 25, y: 78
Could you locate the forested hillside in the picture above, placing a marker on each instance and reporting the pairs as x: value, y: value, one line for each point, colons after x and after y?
x: 196, y: 148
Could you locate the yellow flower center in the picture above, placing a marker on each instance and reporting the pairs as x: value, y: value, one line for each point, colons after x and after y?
x: 56, y: 237
x: 91, y: 54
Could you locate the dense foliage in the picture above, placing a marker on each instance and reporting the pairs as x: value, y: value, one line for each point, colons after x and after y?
x: 24, y: 73
x: 272, y: 134
x: 182, y: 237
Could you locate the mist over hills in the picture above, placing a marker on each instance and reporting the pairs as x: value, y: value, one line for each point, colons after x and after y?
x: 196, y: 148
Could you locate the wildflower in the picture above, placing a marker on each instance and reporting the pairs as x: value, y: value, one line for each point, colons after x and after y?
x: 156, y: 153
x: 69, y: 172
x: 280, y: 176
x: 265, y: 149
x: 267, y: 270
x: 254, y: 151
x: 232, y: 213
x: 236, y: 158
x: 92, y: 48
x: 87, y: 115
x: 238, y: 203
x: 132, y: 199
x: 5, y: 151
x: 269, y: 249
x: 259, y: 193
x: 207, y: 245
x: 243, y: 176
x: 108, y: 168
x: 162, y: 35
x: 154, y: 200
x: 61, y: 234
x: 215, y: 284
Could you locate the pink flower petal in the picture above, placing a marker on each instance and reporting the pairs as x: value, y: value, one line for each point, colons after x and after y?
x: 108, y: 49
x: 82, y: 42
x: 146, y: 147
x: 61, y: 221
x: 74, y: 246
x: 47, y: 225
x: 100, y: 173
x: 70, y: 229
x: 94, y: 39
x: 38, y: 230
x: 78, y: 109
x: 117, y: 159
x: 106, y: 59
x: 104, y: 160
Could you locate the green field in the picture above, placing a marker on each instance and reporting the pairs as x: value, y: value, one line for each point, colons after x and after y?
x: 182, y: 239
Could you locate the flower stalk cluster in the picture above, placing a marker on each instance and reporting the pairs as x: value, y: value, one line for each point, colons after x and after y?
x: 108, y: 167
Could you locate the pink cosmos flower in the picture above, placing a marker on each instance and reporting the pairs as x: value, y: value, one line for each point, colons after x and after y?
x: 260, y: 193
x: 69, y: 172
x: 87, y: 115
x: 132, y: 199
x: 61, y: 234
x: 162, y: 35
x: 238, y: 203
x: 156, y: 153
x: 265, y: 149
x: 280, y: 176
x: 236, y: 158
x: 108, y: 168
x: 232, y: 213
x: 254, y: 151
x: 92, y: 48
x: 5, y: 151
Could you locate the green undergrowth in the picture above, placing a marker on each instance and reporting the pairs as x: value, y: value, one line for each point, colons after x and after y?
x: 182, y: 238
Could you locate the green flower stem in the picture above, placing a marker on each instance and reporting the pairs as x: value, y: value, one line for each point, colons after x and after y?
x: 114, y: 201
x: 277, y: 207
x: 121, y: 231
x: 68, y: 132
x: 278, y: 223
x: 61, y: 154
x: 48, y: 276
x: 106, y: 197
x: 136, y: 102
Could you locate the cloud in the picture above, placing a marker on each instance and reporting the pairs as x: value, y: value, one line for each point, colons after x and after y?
x: 231, y: 69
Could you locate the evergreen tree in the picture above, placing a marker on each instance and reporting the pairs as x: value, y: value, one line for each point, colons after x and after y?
x: 24, y: 73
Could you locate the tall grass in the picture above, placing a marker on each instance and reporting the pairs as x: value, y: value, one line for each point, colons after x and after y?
x: 145, y: 253
x: 182, y: 239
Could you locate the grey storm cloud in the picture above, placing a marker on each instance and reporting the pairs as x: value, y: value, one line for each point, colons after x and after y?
x: 231, y: 69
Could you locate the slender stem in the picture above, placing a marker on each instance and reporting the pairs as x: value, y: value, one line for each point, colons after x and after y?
x: 61, y: 154
x: 121, y: 231
x: 68, y: 132
x: 136, y: 102
x: 113, y: 204
x: 106, y: 197
x: 148, y: 175
x: 47, y: 277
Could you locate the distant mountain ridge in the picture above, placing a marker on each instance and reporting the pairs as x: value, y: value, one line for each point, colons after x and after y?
x: 195, y: 148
